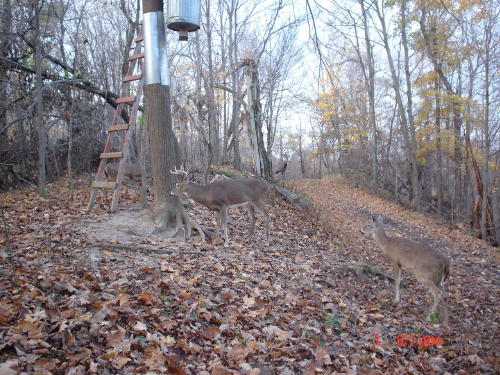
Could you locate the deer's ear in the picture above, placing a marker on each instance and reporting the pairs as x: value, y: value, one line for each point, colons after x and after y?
x: 379, y: 219
x: 374, y: 219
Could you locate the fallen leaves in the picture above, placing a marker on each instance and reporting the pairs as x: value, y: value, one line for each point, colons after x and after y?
x: 246, y: 309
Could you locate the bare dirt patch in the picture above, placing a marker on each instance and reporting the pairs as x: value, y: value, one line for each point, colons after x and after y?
x: 124, y: 226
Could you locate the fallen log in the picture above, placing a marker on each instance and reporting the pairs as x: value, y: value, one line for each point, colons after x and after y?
x: 297, y: 199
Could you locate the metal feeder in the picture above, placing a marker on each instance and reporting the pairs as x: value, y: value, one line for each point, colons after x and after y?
x: 183, y: 17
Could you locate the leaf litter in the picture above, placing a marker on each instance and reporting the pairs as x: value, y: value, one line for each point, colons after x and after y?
x: 69, y: 306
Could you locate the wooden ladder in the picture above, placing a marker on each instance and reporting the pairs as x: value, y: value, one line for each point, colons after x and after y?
x: 136, y: 63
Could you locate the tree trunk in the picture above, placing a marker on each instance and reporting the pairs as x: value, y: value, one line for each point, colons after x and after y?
x: 431, y: 47
x: 409, y: 109
x: 163, y: 142
x: 5, y: 41
x: 69, y: 164
x: 301, y: 156
x: 487, y: 143
x: 407, y: 129
x: 371, y: 94
x: 262, y: 162
x: 143, y: 141
x: 439, y: 154
x: 165, y: 152
x: 235, y: 86
x: 213, y: 128
x: 39, y: 125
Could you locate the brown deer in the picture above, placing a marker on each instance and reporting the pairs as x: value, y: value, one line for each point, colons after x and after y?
x: 132, y: 171
x: 221, y: 194
x: 430, y: 266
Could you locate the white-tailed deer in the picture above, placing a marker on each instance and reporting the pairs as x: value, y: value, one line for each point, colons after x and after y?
x: 132, y: 171
x: 430, y: 266
x: 221, y: 194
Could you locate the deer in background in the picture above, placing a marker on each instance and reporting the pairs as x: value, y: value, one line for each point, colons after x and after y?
x: 430, y: 266
x: 131, y: 170
x: 222, y: 194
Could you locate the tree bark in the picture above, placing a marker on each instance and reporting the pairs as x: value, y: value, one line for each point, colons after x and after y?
x: 5, y: 42
x: 487, y: 143
x: 164, y: 147
x: 213, y: 129
x: 409, y: 110
x: 163, y: 142
x: 39, y: 124
x: 371, y: 93
x: 235, y: 84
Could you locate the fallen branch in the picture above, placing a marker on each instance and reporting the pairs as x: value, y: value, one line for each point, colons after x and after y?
x: 359, y: 270
x: 114, y: 246
x: 294, y: 198
x: 364, y: 269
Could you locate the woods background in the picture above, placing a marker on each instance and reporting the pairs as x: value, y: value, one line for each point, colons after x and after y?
x: 399, y: 96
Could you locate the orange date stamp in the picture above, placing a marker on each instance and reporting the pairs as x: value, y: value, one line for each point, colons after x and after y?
x: 410, y: 339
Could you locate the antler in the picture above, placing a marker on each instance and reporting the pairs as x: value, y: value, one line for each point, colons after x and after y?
x: 180, y: 172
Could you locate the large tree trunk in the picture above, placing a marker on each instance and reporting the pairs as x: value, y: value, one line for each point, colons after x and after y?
x: 163, y: 142
x: 165, y: 153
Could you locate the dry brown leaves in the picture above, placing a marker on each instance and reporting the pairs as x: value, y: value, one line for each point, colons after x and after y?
x: 246, y: 309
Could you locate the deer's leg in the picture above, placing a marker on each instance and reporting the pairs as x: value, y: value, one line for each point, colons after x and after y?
x: 223, y: 220
x: 218, y: 224
x: 259, y: 206
x: 188, y: 226
x: 199, y: 229
x: 439, y: 299
x: 251, y: 211
x: 397, y: 280
x: 179, y: 225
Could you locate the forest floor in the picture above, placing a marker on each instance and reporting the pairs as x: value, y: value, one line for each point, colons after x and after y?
x: 77, y: 299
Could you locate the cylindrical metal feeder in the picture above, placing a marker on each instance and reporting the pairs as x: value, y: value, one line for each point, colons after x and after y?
x: 183, y: 16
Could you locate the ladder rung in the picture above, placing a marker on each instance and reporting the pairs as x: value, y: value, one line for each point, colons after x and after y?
x: 117, y: 128
x: 104, y: 184
x: 136, y: 56
x: 140, y: 38
x: 132, y: 78
x: 111, y: 155
x: 125, y: 99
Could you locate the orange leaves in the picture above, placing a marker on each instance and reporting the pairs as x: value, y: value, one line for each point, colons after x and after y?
x: 147, y: 298
x: 154, y: 357
x: 210, y: 333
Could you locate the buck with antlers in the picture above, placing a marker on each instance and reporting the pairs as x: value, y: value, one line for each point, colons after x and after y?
x: 222, y: 194
x: 430, y: 266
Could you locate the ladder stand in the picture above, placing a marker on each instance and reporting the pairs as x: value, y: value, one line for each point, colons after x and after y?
x: 127, y: 98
